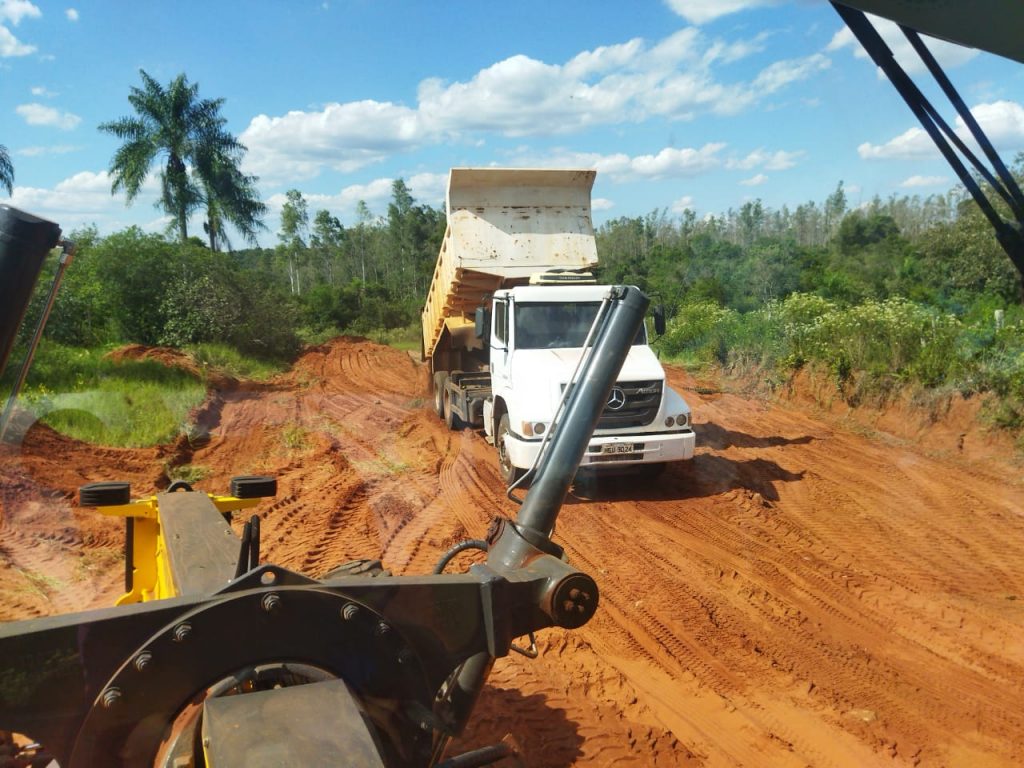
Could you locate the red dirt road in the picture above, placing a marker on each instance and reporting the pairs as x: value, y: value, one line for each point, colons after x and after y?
x: 797, y: 595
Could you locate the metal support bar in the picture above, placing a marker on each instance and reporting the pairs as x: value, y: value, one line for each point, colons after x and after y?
x: 1008, y: 234
x: 1008, y: 189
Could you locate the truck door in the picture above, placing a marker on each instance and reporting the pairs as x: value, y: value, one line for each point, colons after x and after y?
x: 501, y: 374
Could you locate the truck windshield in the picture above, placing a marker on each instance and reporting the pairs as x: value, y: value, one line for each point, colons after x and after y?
x: 557, y: 325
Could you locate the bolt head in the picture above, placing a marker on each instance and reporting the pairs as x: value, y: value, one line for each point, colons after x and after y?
x: 271, y: 602
x: 111, y: 697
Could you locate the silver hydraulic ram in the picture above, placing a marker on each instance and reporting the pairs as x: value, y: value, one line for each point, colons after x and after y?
x: 568, y: 597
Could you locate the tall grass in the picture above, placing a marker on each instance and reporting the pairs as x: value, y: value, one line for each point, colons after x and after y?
x: 228, y: 360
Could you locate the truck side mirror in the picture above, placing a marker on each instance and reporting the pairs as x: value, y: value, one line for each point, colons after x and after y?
x: 659, y: 319
x: 483, y: 322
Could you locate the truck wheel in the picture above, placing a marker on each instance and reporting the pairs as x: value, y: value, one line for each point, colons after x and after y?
x: 509, y: 472
x: 439, y: 379
x: 450, y: 417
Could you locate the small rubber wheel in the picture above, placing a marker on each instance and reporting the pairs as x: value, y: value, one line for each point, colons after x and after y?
x: 106, y: 494
x: 439, y: 379
x: 509, y: 472
x: 253, y: 486
x: 179, y: 485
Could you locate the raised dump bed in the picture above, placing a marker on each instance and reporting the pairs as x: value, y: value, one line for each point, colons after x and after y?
x: 504, y: 224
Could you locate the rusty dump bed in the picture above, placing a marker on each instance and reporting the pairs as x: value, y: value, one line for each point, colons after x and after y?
x: 505, y: 224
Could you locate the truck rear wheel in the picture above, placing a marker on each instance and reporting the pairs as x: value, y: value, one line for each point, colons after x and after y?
x: 439, y: 379
x: 509, y: 472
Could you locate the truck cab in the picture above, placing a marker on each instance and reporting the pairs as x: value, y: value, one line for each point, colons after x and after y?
x: 536, y: 337
x: 506, y: 318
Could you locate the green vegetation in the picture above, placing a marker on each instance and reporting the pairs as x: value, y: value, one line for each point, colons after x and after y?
x: 295, y: 437
x: 85, y: 394
x: 897, y: 292
x: 187, y: 473
x: 229, y: 361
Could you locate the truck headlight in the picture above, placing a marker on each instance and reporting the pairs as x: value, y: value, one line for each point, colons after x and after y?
x: 683, y: 419
x: 531, y: 428
x: 669, y: 421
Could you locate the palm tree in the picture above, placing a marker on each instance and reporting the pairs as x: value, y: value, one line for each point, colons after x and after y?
x: 230, y: 196
x: 6, y: 170
x: 200, y: 158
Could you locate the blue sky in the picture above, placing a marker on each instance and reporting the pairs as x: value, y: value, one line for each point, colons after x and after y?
x: 700, y: 104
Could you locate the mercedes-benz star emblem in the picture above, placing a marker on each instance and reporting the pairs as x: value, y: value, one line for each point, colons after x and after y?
x: 616, y: 399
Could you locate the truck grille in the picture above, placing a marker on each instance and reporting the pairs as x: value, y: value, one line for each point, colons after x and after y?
x: 642, y: 400
x: 641, y: 407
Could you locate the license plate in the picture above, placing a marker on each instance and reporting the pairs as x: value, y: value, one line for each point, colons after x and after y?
x: 617, y: 448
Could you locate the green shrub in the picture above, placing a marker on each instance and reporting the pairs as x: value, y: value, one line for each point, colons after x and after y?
x: 699, y: 332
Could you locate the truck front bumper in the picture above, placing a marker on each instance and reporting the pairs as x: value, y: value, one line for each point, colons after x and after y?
x: 615, y: 450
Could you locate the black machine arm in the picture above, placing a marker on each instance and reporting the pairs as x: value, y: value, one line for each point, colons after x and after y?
x: 390, y: 667
x: 991, y: 35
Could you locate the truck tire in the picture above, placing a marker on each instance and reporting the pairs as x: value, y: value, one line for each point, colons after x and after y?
x: 509, y: 472
x: 450, y: 417
x: 439, y: 379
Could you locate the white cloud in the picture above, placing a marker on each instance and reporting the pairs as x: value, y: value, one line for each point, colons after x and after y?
x: 948, y: 54
x: 924, y: 181
x: 82, y: 199
x: 40, y: 114
x: 429, y: 188
x: 703, y: 11
x: 908, y: 145
x: 735, y: 50
x: 426, y: 188
x: 38, y: 90
x: 683, y: 204
x: 344, y: 137
x: 10, y: 45
x: 755, y: 181
x: 522, y: 96
x: 619, y: 167
x: 376, y: 194
x: 72, y: 14
x: 604, y: 58
x: 782, y: 73
x: 601, y: 204
x: 16, y: 10
x: 770, y: 161
x: 1002, y: 122
x: 674, y: 163
x: 57, y: 149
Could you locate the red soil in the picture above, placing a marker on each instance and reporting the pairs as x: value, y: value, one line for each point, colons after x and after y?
x: 798, y: 594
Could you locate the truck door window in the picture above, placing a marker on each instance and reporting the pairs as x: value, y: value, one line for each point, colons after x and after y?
x: 557, y: 325
x: 501, y: 321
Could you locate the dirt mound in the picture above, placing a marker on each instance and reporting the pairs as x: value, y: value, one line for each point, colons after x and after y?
x: 172, y: 358
x: 798, y: 594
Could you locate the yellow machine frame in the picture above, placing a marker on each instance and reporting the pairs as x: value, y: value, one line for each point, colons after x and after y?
x: 152, y: 577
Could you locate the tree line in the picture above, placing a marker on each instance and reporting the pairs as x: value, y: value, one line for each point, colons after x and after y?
x: 323, y: 276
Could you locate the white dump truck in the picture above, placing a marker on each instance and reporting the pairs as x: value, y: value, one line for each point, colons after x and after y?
x: 508, y: 311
